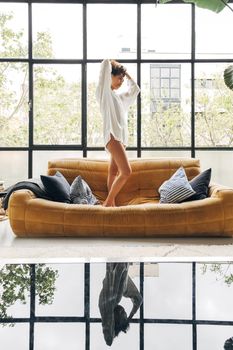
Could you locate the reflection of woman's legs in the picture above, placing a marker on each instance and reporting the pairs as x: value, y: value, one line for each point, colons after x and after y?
x: 118, y: 155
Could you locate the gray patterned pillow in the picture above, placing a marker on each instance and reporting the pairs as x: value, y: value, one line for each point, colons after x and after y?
x: 80, y: 192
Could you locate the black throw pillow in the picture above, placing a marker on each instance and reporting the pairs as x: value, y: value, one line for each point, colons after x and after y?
x: 57, y: 187
x: 200, y: 184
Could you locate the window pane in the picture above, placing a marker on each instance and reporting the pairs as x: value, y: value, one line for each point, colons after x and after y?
x: 57, y: 104
x: 175, y: 73
x: 13, y: 30
x: 131, y: 154
x: 13, y: 104
x: 165, y: 72
x: 212, y: 282
x: 105, y: 155
x: 94, y: 118
x: 130, y: 340
x: 165, y: 93
x: 158, y: 154
x: 10, y: 336
x: 14, y: 167
x: 213, y: 337
x: 164, y: 83
x: 59, y: 35
x: 98, y: 155
x: 166, y: 119
x: 166, y: 31
x: 69, y: 293
x: 221, y: 163
x: 97, y: 274
x: 156, y: 72
x: 155, y: 93
x: 167, y: 337
x: 155, y: 82
x: 175, y: 93
x: 114, y: 28
x: 41, y: 158
x: 59, y: 336
x: 213, y: 108
x: 162, y: 301
x: 175, y: 83
x: 216, y: 42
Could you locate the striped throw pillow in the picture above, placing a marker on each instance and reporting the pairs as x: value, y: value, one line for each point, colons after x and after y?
x: 176, y: 189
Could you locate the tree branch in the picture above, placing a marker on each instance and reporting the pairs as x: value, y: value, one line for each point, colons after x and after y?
x: 21, y: 99
x: 226, y: 4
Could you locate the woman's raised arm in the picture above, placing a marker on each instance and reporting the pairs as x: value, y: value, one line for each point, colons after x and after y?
x: 104, y: 84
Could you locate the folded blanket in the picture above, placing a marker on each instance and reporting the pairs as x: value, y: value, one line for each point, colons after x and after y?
x: 34, y: 185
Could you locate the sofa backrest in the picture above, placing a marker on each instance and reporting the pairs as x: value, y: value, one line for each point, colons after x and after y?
x: 147, y: 175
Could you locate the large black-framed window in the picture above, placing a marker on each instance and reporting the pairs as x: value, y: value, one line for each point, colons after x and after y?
x: 186, y: 320
x: 54, y: 84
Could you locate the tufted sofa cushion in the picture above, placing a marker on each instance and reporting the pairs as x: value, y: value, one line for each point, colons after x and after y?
x: 143, y: 184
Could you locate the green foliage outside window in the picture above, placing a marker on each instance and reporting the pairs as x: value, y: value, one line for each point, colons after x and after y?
x: 57, y: 105
x: 222, y: 271
x: 15, y: 284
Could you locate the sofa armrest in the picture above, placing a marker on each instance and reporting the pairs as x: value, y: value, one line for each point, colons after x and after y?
x: 18, y: 203
x: 21, y: 197
x: 225, y: 195
x: 223, y: 192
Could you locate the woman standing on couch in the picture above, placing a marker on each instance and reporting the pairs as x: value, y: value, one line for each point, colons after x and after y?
x: 113, y: 108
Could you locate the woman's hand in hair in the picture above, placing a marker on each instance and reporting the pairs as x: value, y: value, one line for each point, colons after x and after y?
x: 115, y: 63
x: 127, y: 75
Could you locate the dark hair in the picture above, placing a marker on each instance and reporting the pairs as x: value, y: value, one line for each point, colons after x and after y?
x: 228, y: 344
x: 118, y: 69
x: 121, y: 321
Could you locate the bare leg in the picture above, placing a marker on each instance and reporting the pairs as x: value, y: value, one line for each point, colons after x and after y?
x: 118, y: 155
x: 112, y: 173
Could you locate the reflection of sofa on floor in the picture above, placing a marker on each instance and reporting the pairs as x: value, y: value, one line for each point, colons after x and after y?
x: 138, y: 212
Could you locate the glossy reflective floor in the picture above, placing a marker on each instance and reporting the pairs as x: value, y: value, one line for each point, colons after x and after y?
x: 183, y: 306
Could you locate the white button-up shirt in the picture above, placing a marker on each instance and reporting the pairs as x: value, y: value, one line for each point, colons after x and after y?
x: 113, y: 106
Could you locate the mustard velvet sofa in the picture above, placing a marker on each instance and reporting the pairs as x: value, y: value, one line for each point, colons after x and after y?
x: 138, y: 212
